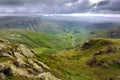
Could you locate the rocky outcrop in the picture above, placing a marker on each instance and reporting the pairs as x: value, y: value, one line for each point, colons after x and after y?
x: 95, y: 62
x: 100, y: 58
x: 94, y: 42
x: 114, y: 32
x: 89, y: 44
x: 108, y: 50
x: 18, y: 60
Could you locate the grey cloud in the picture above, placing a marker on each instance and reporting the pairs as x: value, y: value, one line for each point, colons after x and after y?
x: 58, y: 6
x: 103, y: 3
x: 110, y: 6
x: 11, y: 2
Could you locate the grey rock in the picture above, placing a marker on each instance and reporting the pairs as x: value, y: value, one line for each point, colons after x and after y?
x: 21, y: 62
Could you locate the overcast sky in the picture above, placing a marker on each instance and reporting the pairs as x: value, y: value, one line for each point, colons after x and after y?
x: 59, y: 6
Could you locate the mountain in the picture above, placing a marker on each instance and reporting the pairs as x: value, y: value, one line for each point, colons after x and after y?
x: 29, y: 23
x: 71, y: 32
x: 51, y: 26
x: 17, y: 62
x: 97, y: 59
x: 68, y: 32
x: 74, y: 50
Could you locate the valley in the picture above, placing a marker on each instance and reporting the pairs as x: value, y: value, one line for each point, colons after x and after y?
x: 73, y: 50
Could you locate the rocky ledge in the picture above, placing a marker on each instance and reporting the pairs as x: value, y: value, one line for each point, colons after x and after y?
x: 18, y: 60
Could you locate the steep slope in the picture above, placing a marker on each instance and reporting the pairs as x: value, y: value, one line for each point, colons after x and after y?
x: 33, y: 39
x: 97, y: 59
x: 56, y: 42
x: 18, y: 63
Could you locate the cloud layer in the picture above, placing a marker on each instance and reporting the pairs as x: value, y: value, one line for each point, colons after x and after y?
x: 60, y: 6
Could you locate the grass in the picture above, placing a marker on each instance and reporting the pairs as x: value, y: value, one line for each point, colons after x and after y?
x: 72, y: 38
x: 66, y: 68
x: 33, y: 39
x: 44, y: 50
x: 21, y: 78
x: 68, y: 64
x: 56, y: 42
x: 72, y: 64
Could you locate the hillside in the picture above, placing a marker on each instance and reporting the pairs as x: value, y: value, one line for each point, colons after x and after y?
x: 33, y: 39
x: 97, y: 59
